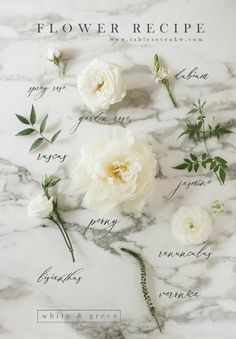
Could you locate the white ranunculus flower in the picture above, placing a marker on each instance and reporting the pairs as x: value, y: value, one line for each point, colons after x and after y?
x: 40, y: 207
x: 54, y: 52
x: 113, y: 169
x: 191, y: 225
x: 101, y: 84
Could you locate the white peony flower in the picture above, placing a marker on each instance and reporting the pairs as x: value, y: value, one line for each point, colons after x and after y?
x: 191, y: 225
x: 114, y: 169
x: 54, y: 53
x: 101, y: 85
x: 40, y: 207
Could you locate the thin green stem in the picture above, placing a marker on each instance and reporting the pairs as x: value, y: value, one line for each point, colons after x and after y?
x: 166, y: 83
x: 205, y: 142
x: 60, y: 224
x: 41, y: 134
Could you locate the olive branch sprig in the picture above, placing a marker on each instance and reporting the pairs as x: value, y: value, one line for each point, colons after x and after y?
x: 143, y: 282
x: 32, y: 129
x: 47, y: 183
x: 197, y: 131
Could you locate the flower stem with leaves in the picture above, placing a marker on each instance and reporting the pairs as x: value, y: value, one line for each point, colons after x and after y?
x: 162, y: 75
x: 197, y: 131
x: 144, y: 288
x: 32, y: 121
x: 47, y: 183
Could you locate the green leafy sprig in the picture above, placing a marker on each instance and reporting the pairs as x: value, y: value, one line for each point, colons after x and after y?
x: 143, y: 282
x: 47, y: 183
x: 161, y: 75
x: 197, y: 131
x: 32, y: 129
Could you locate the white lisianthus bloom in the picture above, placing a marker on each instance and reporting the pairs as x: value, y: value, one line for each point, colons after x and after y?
x: 191, y: 225
x: 162, y: 74
x: 113, y: 169
x: 54, y: 52
x: 40, y: 207
x: 101, y: 84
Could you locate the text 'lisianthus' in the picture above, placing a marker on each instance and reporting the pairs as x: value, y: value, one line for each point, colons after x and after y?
x: 101, y: 84
x: 113, y: 169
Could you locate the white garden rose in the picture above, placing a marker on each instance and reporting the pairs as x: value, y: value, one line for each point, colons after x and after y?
x: 101, y: 85
x: 40, y: 207
x: 191, y: 225
x: 113, y: 169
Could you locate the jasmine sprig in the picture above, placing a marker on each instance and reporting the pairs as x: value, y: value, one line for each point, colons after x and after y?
x: 143, y: 283
x: 162, y: 75
x: 47, y: 183
x: 197, y: 131
x: 32, y: 121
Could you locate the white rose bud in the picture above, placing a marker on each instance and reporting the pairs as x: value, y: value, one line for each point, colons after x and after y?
x: 53, y: 53
x: 191, y: 225
x: 40, y: 207
x: 101, y: 85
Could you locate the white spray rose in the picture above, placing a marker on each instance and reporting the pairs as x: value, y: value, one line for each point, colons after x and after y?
x: 101, y: 85
x: 191, y: 225
x: 113, y: 169
x: 40, y: 207
x: 54, y: 52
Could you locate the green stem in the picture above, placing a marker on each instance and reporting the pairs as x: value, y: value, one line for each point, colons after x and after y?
x: 145, y: 292
x: 61, y: 226
x: 166, y: 83
x: 41, y: 134
x: 205, y: 142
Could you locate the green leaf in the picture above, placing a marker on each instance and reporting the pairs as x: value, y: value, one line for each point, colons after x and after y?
x: 26, y: 131
x: 194, y: 110
x: 193, y: 157
x: 213, y: 164
x: 196, y: 167
x: 204, y: 156
x: 190, y: 167
x: 187, y: 160
x: 32, y: 115
x: 55, y: 136
x: 43, y: 124
x: 23, y: 119
x: 36, y: 144
x: 222, y: 175
x: 54, y: 182
x: 204, y: 164
x: 183, y: 133
x: 181, y: 166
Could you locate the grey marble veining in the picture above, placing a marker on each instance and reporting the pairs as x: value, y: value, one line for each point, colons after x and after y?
x: 111, y: 278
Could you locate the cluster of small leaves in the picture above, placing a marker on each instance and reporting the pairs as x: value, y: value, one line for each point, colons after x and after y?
x: 217, y: 165
x: 194, y: 130
x: 32, y: 129
x: 144, y: 284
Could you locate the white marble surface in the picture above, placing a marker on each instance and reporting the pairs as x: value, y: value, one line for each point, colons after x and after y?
x: 110, y: 279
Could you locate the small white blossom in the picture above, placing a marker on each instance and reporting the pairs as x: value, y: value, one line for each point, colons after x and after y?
x: 218, y: 206
x: 40, y: 207
x: 191, y: 225
x: 162, y: 74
